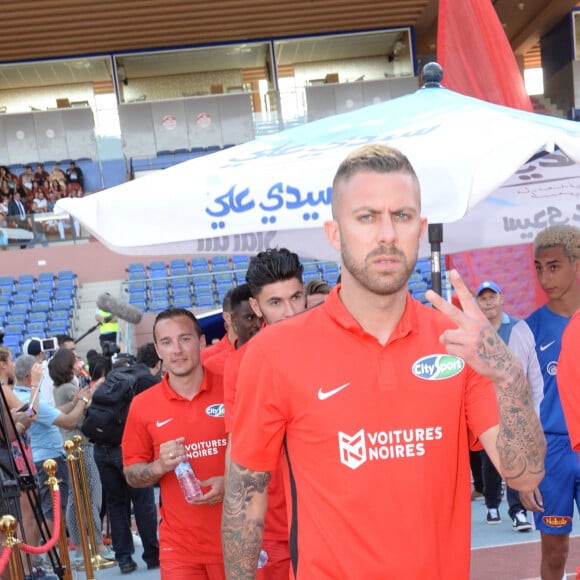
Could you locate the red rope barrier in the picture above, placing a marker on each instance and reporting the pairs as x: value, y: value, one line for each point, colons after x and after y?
x: 55, y: 529
x: 5, y: 557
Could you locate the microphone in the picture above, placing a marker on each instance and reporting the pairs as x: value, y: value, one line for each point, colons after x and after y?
x: 119, y: 308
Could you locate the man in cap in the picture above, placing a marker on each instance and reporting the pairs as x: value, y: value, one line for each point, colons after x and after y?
x: 490, y: 300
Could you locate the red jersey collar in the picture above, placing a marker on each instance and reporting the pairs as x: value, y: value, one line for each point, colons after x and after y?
x: 170, y: 393
x: 343, y: 318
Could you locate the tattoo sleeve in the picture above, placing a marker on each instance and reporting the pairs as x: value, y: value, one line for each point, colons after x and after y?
x: 521, y: 443
x: 142, y: 474
x: 245, y: 504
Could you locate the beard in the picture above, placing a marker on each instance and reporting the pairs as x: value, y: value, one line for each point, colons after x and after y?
x: 380, y: 283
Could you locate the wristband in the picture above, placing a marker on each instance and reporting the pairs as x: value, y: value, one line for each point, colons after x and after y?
x: 20, y: 428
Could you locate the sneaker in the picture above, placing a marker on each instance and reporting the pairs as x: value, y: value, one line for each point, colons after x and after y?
x: 476, y: 495
x: 521, y: 523
x: 107, y: 553
x: 493, y: 516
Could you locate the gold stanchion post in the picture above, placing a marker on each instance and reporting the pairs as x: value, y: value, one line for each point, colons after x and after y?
x: 74, y: 481
x: 8, y: 525
x: 50, y: 466
x: 97, y: 560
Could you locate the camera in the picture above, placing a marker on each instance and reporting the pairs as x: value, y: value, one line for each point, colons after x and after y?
x: 110, y: 348
x: 47, y: 344
x: 35, y: 346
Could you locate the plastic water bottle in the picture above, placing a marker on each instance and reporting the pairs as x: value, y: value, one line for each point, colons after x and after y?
x: 262, y: 559
x: 188, y: 482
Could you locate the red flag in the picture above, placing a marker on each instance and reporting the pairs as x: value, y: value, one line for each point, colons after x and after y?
x: 476, y: 56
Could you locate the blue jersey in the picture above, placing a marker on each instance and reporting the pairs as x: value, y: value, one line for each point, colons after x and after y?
x: 536, y: 341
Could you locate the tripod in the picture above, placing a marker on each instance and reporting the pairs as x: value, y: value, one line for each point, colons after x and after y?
x: 16, y: 486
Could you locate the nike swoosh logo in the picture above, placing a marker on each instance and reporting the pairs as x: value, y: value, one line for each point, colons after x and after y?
x: 322, y: 395
x: 543, y: 347
x: 161, y: 423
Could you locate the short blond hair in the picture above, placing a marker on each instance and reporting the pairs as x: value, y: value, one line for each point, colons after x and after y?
x: 568, y: 237
x: 374, y: 157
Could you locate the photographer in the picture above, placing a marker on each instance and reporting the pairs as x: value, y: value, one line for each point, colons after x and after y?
x: 46, y: 439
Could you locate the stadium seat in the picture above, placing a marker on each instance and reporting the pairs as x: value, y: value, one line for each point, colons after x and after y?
x: 177, y: 264
x: 60, y: 315
x: 21, y: 303
x: 26, y: 279
x: 47, y: 277
x: 63, y: 304
x: 159, y: 304
x: 43, y: 296
x: 182, y: 301
x: 157, y: 266
x: 35, y: 329
x: 18, y: 317
x: 41, y: 306
x: 38, y: 317
x: 58, y: 326
x: 204, y: 300
x: 66, y: 275
x: 181, y: 291
x: 136, y: 267
x: 45, y: 286
x: 14, y: 328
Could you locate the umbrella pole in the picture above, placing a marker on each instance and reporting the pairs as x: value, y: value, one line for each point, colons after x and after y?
x: 435, y: 239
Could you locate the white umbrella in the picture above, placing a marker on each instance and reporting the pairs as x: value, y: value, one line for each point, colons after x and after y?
x: 471, y: 157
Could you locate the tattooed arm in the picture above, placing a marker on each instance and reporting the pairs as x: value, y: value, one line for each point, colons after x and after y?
x: 244, y: 510
x: 171, y: 454
x: 517, y: 445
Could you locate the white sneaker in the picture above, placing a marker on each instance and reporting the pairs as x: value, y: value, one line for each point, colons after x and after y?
x: 493, y: 516
x: 520, y: 522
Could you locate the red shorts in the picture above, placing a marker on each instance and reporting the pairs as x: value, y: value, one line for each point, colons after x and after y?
x: 278, y: 565
x: 186, y: 571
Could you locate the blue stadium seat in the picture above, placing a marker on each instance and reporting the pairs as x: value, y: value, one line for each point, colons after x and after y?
x: 15, y: 328
x: 201, y: 280
x: 158, y: 281
x: 66, y: 275
x: 45, y: 286
x: 181, y: 291
x: 20, y: 307
x: 177, y: 264
x: 136, y: 267
x: 38, y: 317
x: 141, y: 304
x: 47, y: 277
x: 41, y: 306
x: 16, y: 317
x: 43, y: 296
x: 159, y: 304
x: 223, y: 277
x: 35, y: 329
x: 26, y: 279
x: 63, y: 304
x: 204, y: 300
x: 58, y: 327
x: 60, y: 315
x: 157, y: 266
x: 158, y: 293
x: 182, y: 301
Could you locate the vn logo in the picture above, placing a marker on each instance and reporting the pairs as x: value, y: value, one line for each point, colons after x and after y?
x: 353, y: 452
x: 385, y: 445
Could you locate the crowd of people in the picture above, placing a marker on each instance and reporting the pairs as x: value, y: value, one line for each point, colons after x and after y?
x: 321, y: 411
x: 36, y: 192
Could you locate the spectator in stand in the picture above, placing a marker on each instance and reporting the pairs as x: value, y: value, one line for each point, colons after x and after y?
x: 316, y: 292
x: 40, y: 203
x: 6, y: 176
x: 57, y: 174
x: 3, y: 208
x: 41, y: 176
x: 26, y: 181
x: 74, y: 175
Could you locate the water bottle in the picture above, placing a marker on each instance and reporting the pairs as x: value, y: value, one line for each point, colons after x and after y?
x: 188, y: 482
x: 262, y: 559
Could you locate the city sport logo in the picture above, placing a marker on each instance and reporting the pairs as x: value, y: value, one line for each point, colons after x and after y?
x: 216, y: 410
x: 353, y: 452
x: 437, y: 367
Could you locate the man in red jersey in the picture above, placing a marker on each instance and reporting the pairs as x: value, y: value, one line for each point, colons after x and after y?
x: 274, y: 278
x: 227, y: 340
x: 181, y: 419
x: 374, y: 417
x: 568, y: 378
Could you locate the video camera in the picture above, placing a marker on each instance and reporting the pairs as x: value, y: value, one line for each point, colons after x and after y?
x: 34, y: 346
x: 110, y: 348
